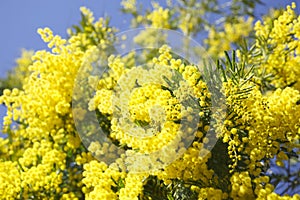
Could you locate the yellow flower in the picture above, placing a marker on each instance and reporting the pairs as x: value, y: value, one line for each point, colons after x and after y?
x: 159, y: 17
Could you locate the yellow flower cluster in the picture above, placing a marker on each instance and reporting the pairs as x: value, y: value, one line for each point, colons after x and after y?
x: 234, y: 32
x: 103, y: 182
x: 98, y: 180
x: 192, y: 165
x: 43, y: 144
x: 282, y: 36
x: 150, y: 104
x: 265, y: 120
x: 241, y: 186
x: 211, y: 193
x: 133, y: 186
x: 260, y: 122
x: 147, y: 104
x: 92, y: 33
x: 10, y: 180
x: 159, y: 17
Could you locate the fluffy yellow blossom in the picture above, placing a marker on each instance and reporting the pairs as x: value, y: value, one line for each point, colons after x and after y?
x: 99, y: 181
x: 272, y: 116
x: 10, y: 186
x: 133, y: 186
x: 241, y: 186
x: 282, y: 35
x: 159, y: 17
x: 190, y: 166
x: 234, y: 32
x: 211, y: 193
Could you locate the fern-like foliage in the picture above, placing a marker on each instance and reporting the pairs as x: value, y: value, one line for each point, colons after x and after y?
x: 155, y: 189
